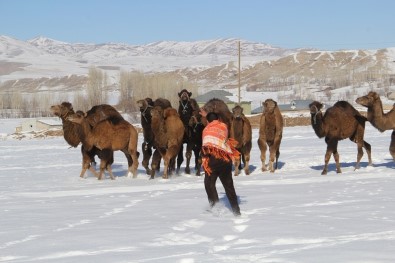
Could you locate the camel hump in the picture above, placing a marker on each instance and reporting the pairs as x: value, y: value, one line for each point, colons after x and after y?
x: 169, y: 112
x: 163, y: 103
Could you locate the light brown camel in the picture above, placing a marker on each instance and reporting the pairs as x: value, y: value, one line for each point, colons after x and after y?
x: 168, y: 132
x: 145, y: 106
x: 72, y: 131
x: 270, y: 133
x: 341, y: 121
x: 241, y: 131
x: 108, y: 137
x: 376, y: 116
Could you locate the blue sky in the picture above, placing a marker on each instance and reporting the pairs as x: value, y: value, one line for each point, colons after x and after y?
x: 326, y: 25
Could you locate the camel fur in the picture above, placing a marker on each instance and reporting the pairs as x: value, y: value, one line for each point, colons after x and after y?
x: 109, y: 136
x: 270, y: 133
x: 376, y: 116
x: 241, y: 131
x: 339, y: 122
x: 168, y: 132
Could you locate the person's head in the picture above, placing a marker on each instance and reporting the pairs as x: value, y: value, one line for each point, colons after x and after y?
x: 212, y: 116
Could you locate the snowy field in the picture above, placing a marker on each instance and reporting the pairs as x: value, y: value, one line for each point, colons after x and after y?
x: 49, y: 214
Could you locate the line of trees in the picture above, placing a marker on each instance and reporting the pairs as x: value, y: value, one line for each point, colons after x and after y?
x: 132, y: 86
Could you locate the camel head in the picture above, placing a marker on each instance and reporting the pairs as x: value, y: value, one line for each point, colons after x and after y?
x: 142, y: 104
x: 368, y: 100
x: 237, y: 112
x: 62, y: 110
x: 77, y: 117
x: 315, y: 107
x: 269, y: 105
x: 184, y: 95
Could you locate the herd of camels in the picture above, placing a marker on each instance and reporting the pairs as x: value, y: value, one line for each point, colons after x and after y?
x: 102, y: 130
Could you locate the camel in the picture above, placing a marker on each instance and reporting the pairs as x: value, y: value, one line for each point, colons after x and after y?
x: 168, y: 132
x: 72, y: 131
x: 339, y: 122
x: 109, y: 136
x: 196, y: 127
x: 185, y: 109
x: 241, y: 131
x: 380, y: 120
x: 270, y: 133
x: 219, y: 106
x: 145, y: 106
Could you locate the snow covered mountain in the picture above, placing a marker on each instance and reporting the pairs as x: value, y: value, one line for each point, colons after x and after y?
x: 39, y: 62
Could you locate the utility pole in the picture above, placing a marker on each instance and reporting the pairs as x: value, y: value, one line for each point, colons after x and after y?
x: 239, y: 72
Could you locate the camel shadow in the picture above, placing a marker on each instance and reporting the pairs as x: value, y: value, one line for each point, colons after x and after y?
x: 389, y: 164
x: 332, y: 166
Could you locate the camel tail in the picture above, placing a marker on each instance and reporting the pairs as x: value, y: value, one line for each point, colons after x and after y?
x: 361, y: 119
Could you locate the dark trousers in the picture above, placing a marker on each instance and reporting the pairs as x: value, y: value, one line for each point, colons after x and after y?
x: 223, y: 170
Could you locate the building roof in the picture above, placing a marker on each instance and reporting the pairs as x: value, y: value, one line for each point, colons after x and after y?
x: 293, y: 105
x: 218, y: 94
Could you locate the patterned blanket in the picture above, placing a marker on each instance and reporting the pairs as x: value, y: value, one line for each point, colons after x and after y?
x: 217, y: 143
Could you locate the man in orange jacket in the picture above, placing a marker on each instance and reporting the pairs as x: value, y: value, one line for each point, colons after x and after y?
x: 217, y: 154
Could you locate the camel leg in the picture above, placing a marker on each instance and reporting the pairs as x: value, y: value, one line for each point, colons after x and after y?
x: 198, y: 161
x: 247, y: 164
x: 337, y: 160
x: 368, y: 150
x: 263, y: 147
x: 359, y: 154
x: 237, y: 164
x: 277, y: 155
x: 156, y: 157
x: 188, y: 156
x: 272, y: 158
x: 180, y: 158
x: 392, y: 145
x: 147, y: 153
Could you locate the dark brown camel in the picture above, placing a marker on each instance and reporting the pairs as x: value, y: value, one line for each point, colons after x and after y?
x: 241, y: 131
x: 72, y: 131
x: 108, y: 136
x: 339, y: 122
x: 145, y: 107
x: 168, y: 132
x: 196, y: 127
x: 186, y: 107
x: 376, y: 116
x: 270, y: 134
x: 219, y: 106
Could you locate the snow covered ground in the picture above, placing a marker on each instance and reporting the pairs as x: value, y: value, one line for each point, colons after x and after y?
x: 49, y: 214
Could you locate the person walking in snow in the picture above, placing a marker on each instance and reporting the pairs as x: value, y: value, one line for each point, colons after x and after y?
x: 218, y: 151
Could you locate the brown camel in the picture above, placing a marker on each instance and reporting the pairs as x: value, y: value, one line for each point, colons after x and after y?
x: 270, y: 133
x: 145, y: 107
x: 241, y: 131
x: 186, y: 107
x: 168, y: 132
x: 109, y: 136
x: 72, y: 131
x: 376, y: 116
x: 219, y: 106
x: 339, y: 122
